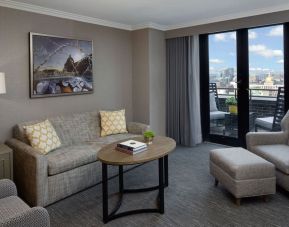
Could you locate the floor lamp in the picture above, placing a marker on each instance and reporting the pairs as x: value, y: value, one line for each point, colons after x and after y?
x: 2, y: 83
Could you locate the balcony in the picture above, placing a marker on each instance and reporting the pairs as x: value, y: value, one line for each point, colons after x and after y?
x: 262, y: 103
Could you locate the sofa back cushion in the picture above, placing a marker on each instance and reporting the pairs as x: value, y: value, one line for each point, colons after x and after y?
x: 71, y: 129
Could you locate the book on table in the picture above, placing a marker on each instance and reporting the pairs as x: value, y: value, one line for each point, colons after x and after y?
x: 131, y: 146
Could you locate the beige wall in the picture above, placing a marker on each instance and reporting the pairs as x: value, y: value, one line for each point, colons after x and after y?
x: 140, y: 85
x: 149, y: 78
x: 157, y: 63
x: 112, y: 68
x: 266, y: 19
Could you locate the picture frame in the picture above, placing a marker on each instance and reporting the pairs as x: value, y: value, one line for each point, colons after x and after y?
x: 60, y: 66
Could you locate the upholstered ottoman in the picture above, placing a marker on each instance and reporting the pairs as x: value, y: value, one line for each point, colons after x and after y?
x: 243, y: 173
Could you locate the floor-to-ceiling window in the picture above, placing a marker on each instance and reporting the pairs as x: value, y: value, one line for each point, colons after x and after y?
x: 222, y: 82
x: 245, y: 69
x: 266, y: 74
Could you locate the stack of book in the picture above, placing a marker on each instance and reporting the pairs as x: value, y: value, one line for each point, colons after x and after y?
x: 131, y: 147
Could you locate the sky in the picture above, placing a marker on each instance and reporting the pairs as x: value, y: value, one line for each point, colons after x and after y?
x: 265, y: 50
x: 52, y: 52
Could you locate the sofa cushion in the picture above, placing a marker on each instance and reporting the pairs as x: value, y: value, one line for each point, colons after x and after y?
x: 71, y: 128
x: 11, y: 206
x: 265, y: 122
x: 241, y: 164
x: 278, y: 154
x: 114, y: 138
x: 70, y: 157
x: 112, y: 122
x: 42, y: 137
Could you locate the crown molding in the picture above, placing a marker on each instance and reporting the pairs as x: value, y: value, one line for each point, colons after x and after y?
x: 149, y: 25
x: 62, y: 14
x: 231, y: 16
x: 92, y: 20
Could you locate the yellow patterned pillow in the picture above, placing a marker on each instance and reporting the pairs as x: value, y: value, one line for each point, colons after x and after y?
x: 112, y: 122
x: 42, y: 136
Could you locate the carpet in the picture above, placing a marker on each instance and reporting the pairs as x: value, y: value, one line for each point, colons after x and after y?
x: 190, y: 200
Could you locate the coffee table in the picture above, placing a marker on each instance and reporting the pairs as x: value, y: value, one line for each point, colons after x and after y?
x: 159, y: 149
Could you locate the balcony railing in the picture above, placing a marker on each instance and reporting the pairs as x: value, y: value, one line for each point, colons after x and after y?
x: 254, y: 93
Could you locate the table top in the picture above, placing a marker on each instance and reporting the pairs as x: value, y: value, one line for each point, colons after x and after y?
x: 160, y: 147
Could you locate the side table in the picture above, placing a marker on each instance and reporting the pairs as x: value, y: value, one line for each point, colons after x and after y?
x: 6, y: 162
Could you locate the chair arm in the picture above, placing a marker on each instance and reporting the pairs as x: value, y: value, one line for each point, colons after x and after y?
x: 7, y: 188
x: 266, y: 138
x: 36, y: 216
x: 137, y: 128
x: 30, y: 173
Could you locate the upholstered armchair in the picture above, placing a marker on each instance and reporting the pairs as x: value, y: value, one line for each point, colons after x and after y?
x: 15, y: 213
x: 273, y: 146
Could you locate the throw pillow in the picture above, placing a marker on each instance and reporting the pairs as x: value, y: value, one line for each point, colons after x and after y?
x: 112, y: 122
x: 213, y: 105
x: 42, y: 136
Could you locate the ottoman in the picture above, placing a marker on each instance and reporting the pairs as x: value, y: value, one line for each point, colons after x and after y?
x: 242, y: 173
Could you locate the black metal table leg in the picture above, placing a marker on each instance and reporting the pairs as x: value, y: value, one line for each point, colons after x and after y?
x: 120, y: 179
x: 104, y: 193
x: 166, y: 171
x: 161, y: 185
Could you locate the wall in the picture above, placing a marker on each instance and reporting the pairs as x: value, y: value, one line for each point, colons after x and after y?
x: 140, y: 85
x: 112, y: 68
x: 149, y: 78
x: 253, y: 21
x: 157, y: 63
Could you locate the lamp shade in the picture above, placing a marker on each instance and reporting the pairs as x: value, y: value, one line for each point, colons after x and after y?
x: 2, y: 83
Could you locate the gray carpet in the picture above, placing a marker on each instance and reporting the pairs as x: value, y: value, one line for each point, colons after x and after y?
x: 190, y: 200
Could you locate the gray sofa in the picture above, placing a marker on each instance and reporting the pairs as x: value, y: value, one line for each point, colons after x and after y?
x: 273, y: 146
x: 45, y: 179
x: 15, y: 213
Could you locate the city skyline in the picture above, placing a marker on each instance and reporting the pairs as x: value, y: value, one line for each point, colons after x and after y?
x: 265, y: 50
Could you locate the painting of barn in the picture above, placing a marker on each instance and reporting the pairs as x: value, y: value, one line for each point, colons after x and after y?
x: 60, y: 66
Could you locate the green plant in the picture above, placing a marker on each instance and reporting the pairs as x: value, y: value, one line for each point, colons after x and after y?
x: 149, y: 134
x: 231, y: 101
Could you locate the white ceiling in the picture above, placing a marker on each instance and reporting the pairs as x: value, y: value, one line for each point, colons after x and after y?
x: 161, y: 14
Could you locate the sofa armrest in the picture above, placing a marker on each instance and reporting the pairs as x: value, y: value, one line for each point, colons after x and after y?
x: 7, y: 188
x: 36, y: 216
x: 137, y: 128
x: 265, y: 138
x: 30, y: 173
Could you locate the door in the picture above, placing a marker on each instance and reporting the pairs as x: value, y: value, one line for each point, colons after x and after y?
x: 246, y: 67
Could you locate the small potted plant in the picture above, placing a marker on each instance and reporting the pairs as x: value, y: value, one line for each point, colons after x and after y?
x: 149, y: 136
x: 232, y: 103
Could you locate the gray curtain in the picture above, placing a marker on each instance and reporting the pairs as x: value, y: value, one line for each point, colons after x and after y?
x: 183, y: 95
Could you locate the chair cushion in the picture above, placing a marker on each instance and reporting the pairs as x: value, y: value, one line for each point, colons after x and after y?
x: 213, y: 105
x: 241, y: 164
x: 217, y: 115
x: 278, y: 154
x: 70, y: 157
x: 11, y: 206
x: 265, y: 122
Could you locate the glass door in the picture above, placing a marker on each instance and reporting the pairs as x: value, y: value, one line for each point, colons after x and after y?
x: 266, y: 78
x: 223, y: 111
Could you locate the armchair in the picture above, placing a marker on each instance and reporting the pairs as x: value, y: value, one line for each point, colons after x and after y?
x: 273, y: 146
x: 15, y: 213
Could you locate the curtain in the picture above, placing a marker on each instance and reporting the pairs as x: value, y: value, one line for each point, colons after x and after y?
x: 183, y: 91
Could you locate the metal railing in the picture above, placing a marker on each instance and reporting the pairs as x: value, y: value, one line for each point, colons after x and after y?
x: 253, y: 93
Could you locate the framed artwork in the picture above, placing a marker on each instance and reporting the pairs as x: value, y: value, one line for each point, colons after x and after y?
x: 60, y: 66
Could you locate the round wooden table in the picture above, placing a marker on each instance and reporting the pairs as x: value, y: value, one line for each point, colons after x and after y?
x: 159, y: 149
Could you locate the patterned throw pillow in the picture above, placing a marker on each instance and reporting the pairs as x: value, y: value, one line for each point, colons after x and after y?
x: 42, y: 136
x: 112, y: 122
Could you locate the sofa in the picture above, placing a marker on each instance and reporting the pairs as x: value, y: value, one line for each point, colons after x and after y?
x: 15, y: 213
x: 273, y: 146
x: 44, y: 179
